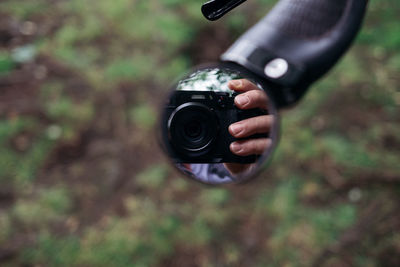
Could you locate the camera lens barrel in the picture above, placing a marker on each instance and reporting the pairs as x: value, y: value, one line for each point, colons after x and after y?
x: 192, y: 128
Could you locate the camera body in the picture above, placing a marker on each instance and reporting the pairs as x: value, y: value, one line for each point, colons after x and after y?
x: 195, y: 127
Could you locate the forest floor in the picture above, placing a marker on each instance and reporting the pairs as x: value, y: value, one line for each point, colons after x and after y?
x: 84, y: 183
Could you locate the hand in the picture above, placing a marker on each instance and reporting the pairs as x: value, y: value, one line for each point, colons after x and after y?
x: 251, y: 97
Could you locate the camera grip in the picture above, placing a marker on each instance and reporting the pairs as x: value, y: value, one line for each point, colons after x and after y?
x: 309, y: 35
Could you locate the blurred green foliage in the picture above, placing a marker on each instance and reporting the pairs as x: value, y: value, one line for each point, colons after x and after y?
x: 82, y: 185
x: 6, y: 63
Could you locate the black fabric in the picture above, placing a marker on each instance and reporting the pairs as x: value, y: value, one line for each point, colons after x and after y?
x: 306, y: 18
x: 311, y: 35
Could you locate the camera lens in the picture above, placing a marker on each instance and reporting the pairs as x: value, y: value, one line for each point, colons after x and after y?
x: 192, y: 128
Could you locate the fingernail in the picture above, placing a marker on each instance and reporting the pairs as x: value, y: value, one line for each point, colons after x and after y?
x: 242, y: 100
x: 236, y: 147
x: 236, y: 83
x: 236, y: 129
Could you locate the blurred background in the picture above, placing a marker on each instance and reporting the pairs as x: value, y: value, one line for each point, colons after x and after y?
x: 83, y: 182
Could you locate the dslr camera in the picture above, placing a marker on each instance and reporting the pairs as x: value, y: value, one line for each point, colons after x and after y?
x: 195, y: 127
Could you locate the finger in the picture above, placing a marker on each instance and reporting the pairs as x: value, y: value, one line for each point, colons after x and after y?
x: 250, y: 147
x: 242, y: 85
x: 252, y: 99
x: 247, y: 127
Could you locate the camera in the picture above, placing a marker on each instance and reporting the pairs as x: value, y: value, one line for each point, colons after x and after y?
x: 195, y: 127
